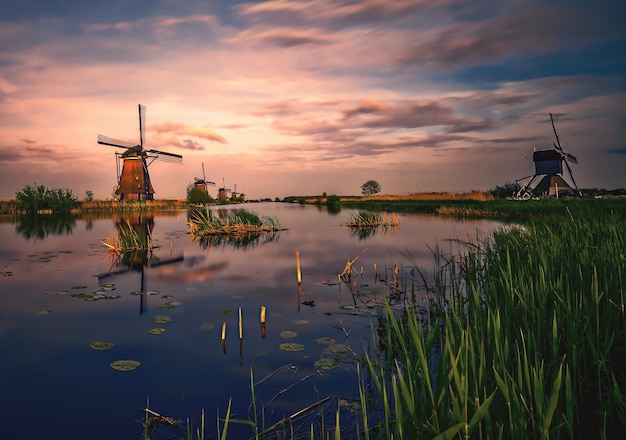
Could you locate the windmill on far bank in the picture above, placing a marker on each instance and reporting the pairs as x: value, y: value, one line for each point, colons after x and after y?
x: 202, y: 184
x: 222, y: 193
x: 134, y: 180
x: 549, y: 167
x: 238, y: 195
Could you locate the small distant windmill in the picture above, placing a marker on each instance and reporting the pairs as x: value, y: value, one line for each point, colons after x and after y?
x: 133, y: 180
x: 549, y: 167
x: 238, y: 195
x: 203, y: 184
x: 222, y: 193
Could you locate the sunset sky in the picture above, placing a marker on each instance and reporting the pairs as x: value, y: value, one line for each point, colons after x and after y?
x: 304, y: 97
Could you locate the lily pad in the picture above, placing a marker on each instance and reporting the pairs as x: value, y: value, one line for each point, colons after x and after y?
x: 125, y: 365
x: 167, y: 306
x: 136, y: 293
x: 161, y: 319
x: 101, y: 345
x: 327, y: 363
x: 325, y: 341
x: 227, y: 312
x: 291, y: 346
x: 153, y: 292
x: 337, y: 349
x: 288, y: 334
x: 156, y: 330
x: 79, y: 287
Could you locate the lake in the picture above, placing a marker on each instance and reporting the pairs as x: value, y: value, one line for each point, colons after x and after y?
x: 60, y: 292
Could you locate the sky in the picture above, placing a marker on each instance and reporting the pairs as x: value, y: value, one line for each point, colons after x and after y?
x: 282, y: 97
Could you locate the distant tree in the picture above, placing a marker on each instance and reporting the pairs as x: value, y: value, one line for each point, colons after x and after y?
x: 33, y: 199
x: 198, y: 195
x: 370, y: 187
x: 89, y: 195
x: 509, y: 189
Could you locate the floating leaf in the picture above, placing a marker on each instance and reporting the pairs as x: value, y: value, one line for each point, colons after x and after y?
x: 227, y: 312
x: 153, y: 292
x: 167, y: 306
x: 78, y: 287
x: 337, y: 349
x: 61, y: 292
x: 347, y: 307
x: 101, y: 345
x: 166, y: 296
x: 206, y: 326
x: 291, y: 346
x: 288, y: 334
x: 125, y: 365
x: 136, y: 293
x: 156, y: 330
x: 161, y: 319
x: 325, y: 341
x: 327, y: 363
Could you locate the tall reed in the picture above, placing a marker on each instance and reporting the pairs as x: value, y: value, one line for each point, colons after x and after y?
x: 523, y: 339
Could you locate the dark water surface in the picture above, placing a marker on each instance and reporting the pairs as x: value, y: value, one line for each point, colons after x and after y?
x: 55, y: 386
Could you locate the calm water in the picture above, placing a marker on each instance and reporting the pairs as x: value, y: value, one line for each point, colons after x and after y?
x: 55, y: 386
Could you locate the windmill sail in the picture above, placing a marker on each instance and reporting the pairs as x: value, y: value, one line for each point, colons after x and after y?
x: 134, y: 180
x: 549, y: 169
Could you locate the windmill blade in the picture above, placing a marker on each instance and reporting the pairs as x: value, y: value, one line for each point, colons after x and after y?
x: 560, y: 148
x: 571, y: 158
x: 569, y: 170
x: 106, y: 140
x: 165, y: 156
x: 164, y: 153
x: 142, y: 123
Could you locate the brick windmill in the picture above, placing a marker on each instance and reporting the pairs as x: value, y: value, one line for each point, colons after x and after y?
x: 134, y: 180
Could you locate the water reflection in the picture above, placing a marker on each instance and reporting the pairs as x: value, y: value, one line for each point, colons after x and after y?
x: 246, y: 241
x: 38, y: 227
x: 363, y: 233
x: 142, y: 223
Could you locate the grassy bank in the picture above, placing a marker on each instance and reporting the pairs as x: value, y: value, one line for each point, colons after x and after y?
x: 495, y: 208
x: 524, y: 339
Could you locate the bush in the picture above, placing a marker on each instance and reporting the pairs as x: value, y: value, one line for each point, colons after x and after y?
x: 37, y: 199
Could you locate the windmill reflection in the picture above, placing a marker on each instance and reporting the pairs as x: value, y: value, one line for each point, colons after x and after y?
x: 135, y: 232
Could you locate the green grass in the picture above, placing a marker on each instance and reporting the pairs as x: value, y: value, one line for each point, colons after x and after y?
x: 366, y: 219
x: 233, y: 223
x: 523, y: 340
x: 129, y: 239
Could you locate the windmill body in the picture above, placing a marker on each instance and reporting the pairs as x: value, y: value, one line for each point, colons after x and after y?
x: 134, y: 180
x: 202, y: 184
x: 549, y: 172
x: 222, y: 193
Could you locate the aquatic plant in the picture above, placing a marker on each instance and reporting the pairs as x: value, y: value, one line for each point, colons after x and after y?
x: 129, y: 239
x: 239, y: 222
x: 523, y: 338
x: 366, y: 219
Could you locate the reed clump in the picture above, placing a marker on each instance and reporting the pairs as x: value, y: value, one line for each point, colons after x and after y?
x: 524, y: 339
x: 365, y: 219
x: 129, y: 239
x: 236, y: 223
